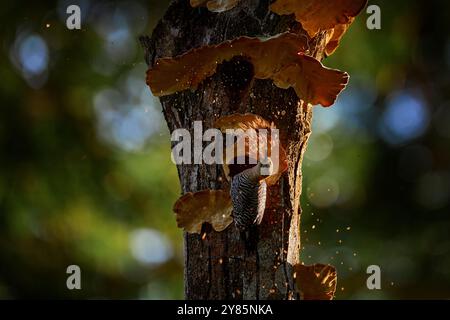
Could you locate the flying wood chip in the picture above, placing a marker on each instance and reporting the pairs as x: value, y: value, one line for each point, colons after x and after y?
x: 316, y: 282
x: 317, y: 15
x: 212, y: 206
x: 253, y: 146
x: 279, y: 58
x: 215, y: 5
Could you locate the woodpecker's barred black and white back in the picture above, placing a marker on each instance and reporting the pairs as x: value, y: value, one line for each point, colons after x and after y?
x: 248, y: 195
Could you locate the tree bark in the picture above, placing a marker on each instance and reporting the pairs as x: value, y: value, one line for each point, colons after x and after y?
x: 217, y: 267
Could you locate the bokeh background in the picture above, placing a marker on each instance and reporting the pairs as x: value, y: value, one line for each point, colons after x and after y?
x: 86, y: 176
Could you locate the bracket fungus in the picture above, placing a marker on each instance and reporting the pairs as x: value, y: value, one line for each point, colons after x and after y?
x: 215, y: 5
x: 212, y: 206
x: 265, y: 144
x: 318, y: 15
x: 335, y: 37
x: 316, y: 282
x: 280, y: 58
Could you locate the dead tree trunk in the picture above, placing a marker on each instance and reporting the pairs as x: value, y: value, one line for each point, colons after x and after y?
x: 217, y: 266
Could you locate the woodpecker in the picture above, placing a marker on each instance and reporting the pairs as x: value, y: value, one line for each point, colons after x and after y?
x: 248, y: 195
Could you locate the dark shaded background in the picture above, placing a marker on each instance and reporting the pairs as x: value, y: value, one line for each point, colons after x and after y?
x: 86, y: 176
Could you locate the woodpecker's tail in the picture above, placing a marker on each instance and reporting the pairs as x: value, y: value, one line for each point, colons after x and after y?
x: 250, y: 238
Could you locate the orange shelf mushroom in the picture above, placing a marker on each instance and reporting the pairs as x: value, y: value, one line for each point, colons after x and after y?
x: 263, y: 144
x: 215, y: 5
x: 316, y: 282
x: 212, y: 206
x: 317, y: 15
x: 335, y: 37
x: 279, y: 58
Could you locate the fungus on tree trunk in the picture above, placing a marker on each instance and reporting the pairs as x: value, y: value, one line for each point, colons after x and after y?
x: 280, y: 58
x: 192, y: 210
x: 231, y: 70
x: 319, y: 15
x: 316, y: 282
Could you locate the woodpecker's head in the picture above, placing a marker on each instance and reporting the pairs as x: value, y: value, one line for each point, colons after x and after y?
x: 265, y: 167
